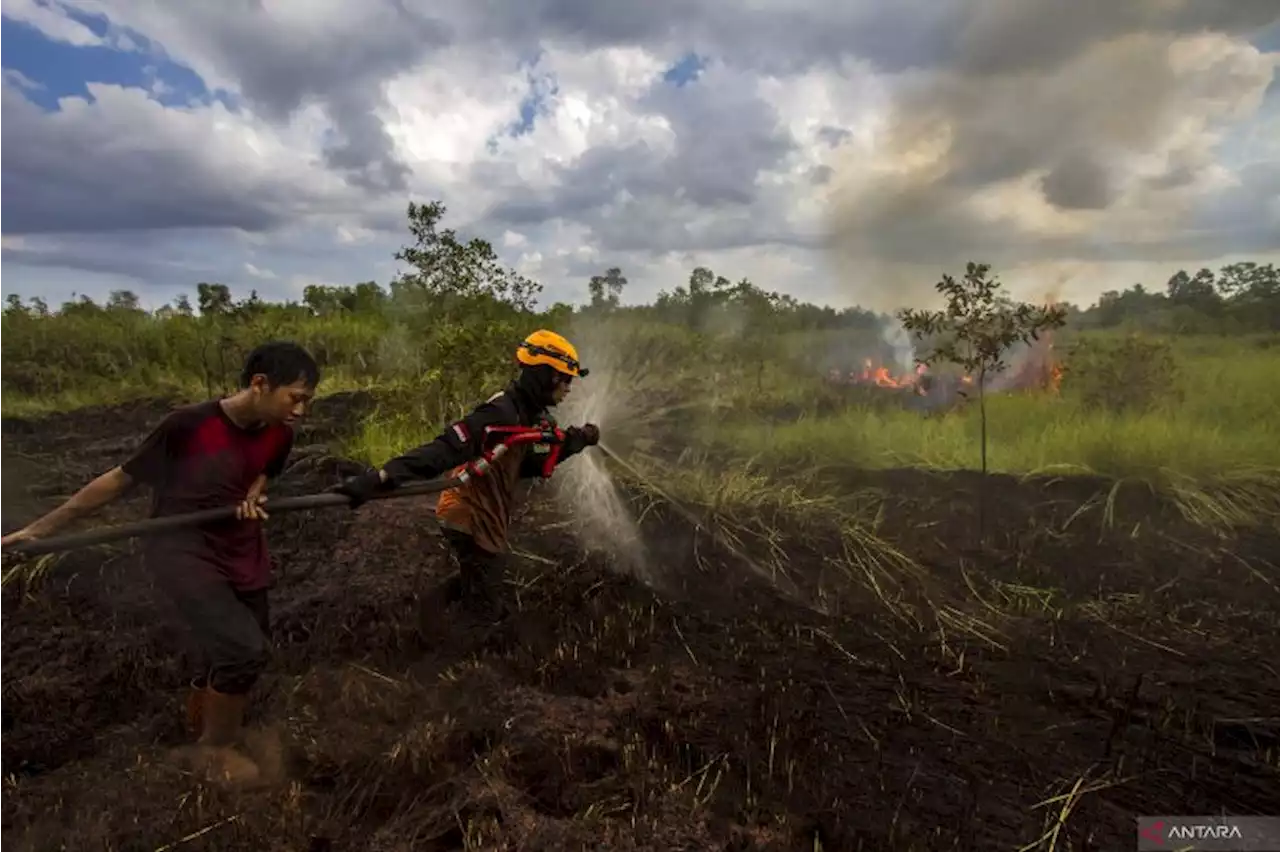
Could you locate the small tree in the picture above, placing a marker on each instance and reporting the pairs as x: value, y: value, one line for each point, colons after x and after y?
x: 977, y: 328
x: 606, y: 290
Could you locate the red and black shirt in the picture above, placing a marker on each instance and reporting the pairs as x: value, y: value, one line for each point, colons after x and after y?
x: 198, y: 458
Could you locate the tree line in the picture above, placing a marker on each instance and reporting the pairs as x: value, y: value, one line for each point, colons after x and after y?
x: 447, y: 322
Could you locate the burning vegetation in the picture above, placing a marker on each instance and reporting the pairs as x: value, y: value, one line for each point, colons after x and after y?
x: 1033, y: 368
x: 1030, y: 365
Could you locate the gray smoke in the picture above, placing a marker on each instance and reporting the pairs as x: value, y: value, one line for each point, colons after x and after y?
x: 1057, y: 132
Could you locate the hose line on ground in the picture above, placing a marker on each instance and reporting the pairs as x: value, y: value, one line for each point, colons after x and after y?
x: 151, y: 526
x: 325, y: 500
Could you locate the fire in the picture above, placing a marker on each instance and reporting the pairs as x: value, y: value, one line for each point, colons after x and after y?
x: 882, y: 377
x: 1031, y: 368
x: 1035, y: 368
x: 1038, y: 368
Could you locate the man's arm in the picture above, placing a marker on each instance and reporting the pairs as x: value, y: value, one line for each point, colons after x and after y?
x: 148, y: 464
x: 87, y: 500
x: 251, y: 507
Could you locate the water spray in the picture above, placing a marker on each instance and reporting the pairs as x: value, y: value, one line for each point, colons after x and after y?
x: 787, y: 587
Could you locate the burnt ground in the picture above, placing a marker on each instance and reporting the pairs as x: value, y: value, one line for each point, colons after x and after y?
x: 1090, y: 662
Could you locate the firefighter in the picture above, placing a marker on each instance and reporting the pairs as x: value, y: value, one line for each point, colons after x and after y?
x: 474, y: 517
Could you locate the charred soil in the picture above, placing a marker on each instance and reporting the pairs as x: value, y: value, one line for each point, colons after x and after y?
x: 897, y: 686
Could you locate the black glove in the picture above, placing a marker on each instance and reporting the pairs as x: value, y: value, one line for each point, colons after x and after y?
x: 590, y: 434
x: 362, y: 486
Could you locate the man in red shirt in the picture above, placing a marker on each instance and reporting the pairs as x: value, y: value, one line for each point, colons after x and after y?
x: 204, y: 456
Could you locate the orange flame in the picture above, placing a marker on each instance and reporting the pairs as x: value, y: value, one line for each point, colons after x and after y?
x: 1037, y: 370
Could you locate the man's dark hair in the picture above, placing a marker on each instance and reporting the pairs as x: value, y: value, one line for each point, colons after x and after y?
x: 282, y: 362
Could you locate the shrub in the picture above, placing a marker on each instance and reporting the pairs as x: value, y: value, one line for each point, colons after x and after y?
x: 1128, y: 375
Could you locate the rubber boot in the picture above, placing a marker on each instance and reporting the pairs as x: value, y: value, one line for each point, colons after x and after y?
x: 196, y: 697
x: 223, y: 727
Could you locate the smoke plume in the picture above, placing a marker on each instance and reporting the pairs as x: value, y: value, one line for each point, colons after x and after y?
x: 1057, y: 132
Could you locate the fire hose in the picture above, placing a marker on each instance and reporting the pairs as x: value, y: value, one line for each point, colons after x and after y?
x: 508, y: 436
x: 151, y: 526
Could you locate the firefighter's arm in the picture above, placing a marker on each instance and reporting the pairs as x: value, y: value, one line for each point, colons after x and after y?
x: 461, y: 442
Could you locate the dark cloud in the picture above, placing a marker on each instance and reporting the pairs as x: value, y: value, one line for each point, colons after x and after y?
x: 655, y: 226
x: 821, y: 175
x: 968, y: 36
x: 833, y: 137
x: 1245, y: 216
x: 1005, y: 36
x: 72, y: 172
x: 106, y: 261
x: 780, y: 37
x: 144, y: 261
x: 726, y: 136
x: 365, y: 152
x: 1078, y: 182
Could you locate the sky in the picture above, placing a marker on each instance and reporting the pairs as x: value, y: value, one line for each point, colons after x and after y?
x: 843, y: 151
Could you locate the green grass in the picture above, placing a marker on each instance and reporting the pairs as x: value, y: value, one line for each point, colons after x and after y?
x: 385, y: 435
x: 163, y: 386
x: 1217, y: 422
x: 104, y: 393
x: 1225, y: 426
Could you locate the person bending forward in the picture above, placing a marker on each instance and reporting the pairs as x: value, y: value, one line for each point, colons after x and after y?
x: 475, y: 516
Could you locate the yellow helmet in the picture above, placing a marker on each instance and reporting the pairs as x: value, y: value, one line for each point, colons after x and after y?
x: 547, y: 347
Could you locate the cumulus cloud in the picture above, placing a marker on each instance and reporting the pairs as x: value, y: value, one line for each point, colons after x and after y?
x: 53, y: 21
x: 837, y: 150
x: 120, y: 161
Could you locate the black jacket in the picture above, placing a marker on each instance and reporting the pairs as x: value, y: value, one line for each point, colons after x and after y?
x: 523, y: 403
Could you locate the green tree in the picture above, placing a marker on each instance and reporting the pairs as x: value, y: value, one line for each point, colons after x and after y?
x: 443, y: 266
x: 123, y: 300
x: 606, y: 290
x: 975, y: 331
x: 460, y: 309
x: 213, y: 299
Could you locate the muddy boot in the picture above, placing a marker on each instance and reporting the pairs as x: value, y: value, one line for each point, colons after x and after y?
x: 196, y: 697
x: 216, y: 750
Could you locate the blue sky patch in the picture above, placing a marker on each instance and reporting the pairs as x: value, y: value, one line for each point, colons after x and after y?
x: 686, y: 71
x: 1269, y: 39
x: 61, y: 70
x: 542, y: 87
